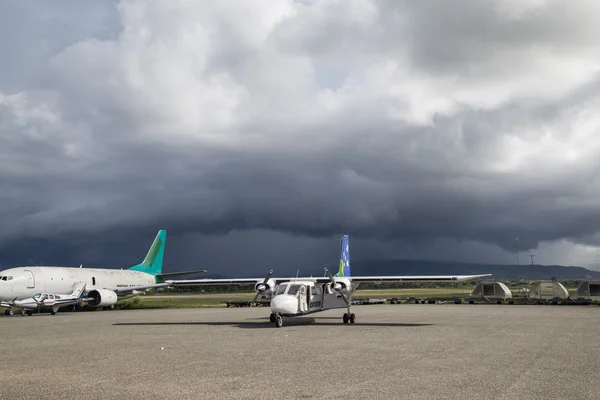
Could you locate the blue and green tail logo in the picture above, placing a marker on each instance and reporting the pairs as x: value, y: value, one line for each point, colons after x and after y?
x: 152, y: 264
x: 344, y: 258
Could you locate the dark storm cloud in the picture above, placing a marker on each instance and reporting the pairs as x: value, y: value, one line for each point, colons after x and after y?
x: 418, y: 129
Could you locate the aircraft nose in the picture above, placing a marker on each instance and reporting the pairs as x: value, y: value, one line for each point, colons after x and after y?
x: 284, y: 304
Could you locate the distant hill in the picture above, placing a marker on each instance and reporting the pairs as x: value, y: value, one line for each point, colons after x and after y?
x: 501, y: 272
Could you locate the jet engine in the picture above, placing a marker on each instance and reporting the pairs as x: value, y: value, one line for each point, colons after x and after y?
x: 102, y: 297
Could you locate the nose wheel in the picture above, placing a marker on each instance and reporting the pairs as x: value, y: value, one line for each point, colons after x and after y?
x: 277, y: 319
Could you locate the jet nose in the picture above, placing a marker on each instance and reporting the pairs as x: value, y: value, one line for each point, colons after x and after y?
x: 284, y: 304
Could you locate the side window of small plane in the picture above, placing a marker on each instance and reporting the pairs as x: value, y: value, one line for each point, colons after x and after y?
x: 315, y: 290
x: 57, y: 297
x: 51, y: 296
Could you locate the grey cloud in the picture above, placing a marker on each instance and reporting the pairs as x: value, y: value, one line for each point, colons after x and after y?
x: 292, y: 128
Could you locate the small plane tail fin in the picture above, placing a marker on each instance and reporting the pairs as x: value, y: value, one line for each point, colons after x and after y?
x: 152, y: 264
x: 344, y: 258
x: 79, y: 290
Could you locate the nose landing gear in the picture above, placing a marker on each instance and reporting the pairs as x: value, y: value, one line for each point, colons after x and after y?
x: 277, y: 319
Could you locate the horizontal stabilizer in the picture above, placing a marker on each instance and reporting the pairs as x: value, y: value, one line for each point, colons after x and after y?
x: 170, y: 274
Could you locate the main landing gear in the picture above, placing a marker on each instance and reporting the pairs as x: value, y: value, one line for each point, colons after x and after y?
x: 277, y: 319
x: 349, y: 317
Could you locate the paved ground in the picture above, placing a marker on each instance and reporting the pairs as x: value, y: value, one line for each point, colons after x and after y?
x: 394, y: 351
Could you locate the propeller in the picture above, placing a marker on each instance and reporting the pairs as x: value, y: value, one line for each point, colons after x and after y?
x: 39, y: 302
x: 264, y: 284
x: 334, y: 288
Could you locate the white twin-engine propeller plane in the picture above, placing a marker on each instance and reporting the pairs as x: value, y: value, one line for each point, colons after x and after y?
x: 292, y: 297
x: 45, y: 301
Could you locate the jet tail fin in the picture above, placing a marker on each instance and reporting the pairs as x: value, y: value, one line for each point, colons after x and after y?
x: 344, y: 258
x: 152, y: 264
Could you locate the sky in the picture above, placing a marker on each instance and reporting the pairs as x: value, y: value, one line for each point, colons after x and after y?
x: 257, y: 133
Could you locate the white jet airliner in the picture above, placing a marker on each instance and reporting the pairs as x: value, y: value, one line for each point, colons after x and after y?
x: 292, y: 297
x: 104, y: 286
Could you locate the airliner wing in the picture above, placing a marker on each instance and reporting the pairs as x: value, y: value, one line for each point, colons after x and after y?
x: 233, y: 281
x: 122, y: 290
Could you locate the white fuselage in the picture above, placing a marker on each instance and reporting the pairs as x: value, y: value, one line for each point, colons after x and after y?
x: 24, y: 282
x: 304, y: 297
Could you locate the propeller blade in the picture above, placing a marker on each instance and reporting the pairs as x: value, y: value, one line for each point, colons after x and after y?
x: 333, y: 286
x: 264, y: 283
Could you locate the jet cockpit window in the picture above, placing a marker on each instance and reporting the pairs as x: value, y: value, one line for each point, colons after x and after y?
x: 280, y: 289
x: 8, y: 278
x: 3, y: 278
x: 293, y: 290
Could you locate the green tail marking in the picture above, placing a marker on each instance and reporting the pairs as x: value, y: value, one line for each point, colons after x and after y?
x: 152, y: 264
x: 340, y: 272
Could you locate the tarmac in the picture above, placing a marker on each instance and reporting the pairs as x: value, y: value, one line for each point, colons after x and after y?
x: 408, y: 351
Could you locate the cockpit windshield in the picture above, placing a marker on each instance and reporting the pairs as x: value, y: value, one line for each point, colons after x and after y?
x: 281, y: 289
x: 293, y: 291
x: 287, y: 288
x: 37, y: 295
x: 5, y: 278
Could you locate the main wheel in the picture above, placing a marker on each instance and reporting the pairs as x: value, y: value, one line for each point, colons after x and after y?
x: 352, y: 318
x: 272, y: 317
x: 345, y: 318
x: 30, y: 313
x: 23, y: 313
x: 10, y: 311
x: 6, y: 312
x: 278, y: 321
x: 52, y: 312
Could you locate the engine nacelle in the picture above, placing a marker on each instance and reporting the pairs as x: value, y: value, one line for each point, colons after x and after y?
x: 261, y: 287
x: 102, y: 297
x: 340, y: 284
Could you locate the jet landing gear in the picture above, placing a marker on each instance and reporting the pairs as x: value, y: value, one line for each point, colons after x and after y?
x: 277, y: 319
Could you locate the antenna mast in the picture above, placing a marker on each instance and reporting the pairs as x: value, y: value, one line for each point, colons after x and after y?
x: 517, y: 249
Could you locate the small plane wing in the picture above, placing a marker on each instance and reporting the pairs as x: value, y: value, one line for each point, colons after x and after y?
x: 325, y: 279
x: 423, y: 278
x: 66, y: 302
